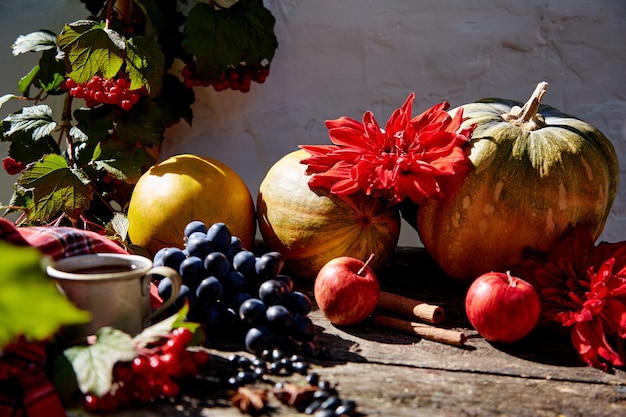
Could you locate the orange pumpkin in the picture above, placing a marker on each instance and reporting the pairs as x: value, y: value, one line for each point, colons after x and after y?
x: 311, y: 227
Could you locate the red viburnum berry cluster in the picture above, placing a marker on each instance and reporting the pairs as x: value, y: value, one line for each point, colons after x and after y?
x: 237, y: 78
x: 12, y: 166
x: 100, y: 90
x: 153, y: 375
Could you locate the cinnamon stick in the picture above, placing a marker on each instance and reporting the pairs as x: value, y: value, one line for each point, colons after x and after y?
x: 409, y: 307
x: 436, y: 334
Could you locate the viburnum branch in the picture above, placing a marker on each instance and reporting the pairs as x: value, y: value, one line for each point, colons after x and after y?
x: 65, y: 124
x: 109, y: 13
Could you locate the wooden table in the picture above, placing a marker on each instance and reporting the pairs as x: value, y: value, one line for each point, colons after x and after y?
x: 394, y: 374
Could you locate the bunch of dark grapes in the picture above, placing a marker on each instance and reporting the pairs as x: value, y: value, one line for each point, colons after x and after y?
x: 152, y: 375
x: 237, y: 78
x: 230, y: 288
x: 100, y: 90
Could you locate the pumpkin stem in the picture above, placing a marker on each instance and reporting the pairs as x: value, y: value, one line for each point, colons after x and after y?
x: 360, y: 272
x: 527, y: 116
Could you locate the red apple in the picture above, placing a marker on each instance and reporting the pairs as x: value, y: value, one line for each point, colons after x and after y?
x: 346, y: 290
x: 501, y: 307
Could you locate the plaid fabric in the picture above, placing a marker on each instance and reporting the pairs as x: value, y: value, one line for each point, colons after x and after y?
x: 25, y: 390
x: 24, y: 387
x: 58, y: 242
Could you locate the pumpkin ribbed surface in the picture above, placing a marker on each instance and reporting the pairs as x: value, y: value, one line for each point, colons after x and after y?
x: 530, y: 182
x: 184, y: 188
x: 309, y: 228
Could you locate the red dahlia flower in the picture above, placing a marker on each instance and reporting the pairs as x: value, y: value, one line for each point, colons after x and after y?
x: 405, y: 159
x: 583, y: 286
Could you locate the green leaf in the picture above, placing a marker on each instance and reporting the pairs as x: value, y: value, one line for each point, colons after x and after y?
x: 121, y: 160
x: 261, y: 41
x: 28, y: 150
x: 35, y: 119
x: 28, y: 80
x: 93, y: 364
x: 221, y: 38
x: 55, y: 188
x: 145, y: 64
x: 91, y: 49
x: 41, y: 40
x: 93, y: 124
x: 212, y: 37
x: 51, y: 72
x: 143, y: 124
x: 30, y: 304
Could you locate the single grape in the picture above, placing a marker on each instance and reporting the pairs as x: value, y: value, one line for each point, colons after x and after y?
x: 269, y: 265
x: 209, y: 290
x: 244, y: 262
x: 173, y: 257
x: 273, y: 292
x: 279, y: 318
x: 258, y: 338
x: 253, y: 312
x: 165, y: 288
x: 198, y: 245
x: 298, y: 303
x: 194, y: 226
x: 219, y: 235
x: 192, y: 271
x: 216, y: 264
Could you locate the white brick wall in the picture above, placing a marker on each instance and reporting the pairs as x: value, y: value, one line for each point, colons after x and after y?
x: 344, y: 57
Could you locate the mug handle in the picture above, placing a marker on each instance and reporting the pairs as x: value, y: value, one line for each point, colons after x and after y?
x: 177, y: 281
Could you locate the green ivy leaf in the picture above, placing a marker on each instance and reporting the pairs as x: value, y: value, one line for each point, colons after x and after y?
x: 91, y: 49
x: 143, y: 124
x: 121, y: 160
x: 145, y: 64
x: 41, y: 40
x: 221, y: 38
x: 55, y: 187
x: 35, y: 119
x: 30, y: 304
x: 93, y: 364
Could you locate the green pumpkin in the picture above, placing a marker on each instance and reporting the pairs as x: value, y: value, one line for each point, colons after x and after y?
x: 536, y: 172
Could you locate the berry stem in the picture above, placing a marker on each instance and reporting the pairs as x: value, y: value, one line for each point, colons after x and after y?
x: 365, y: 265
